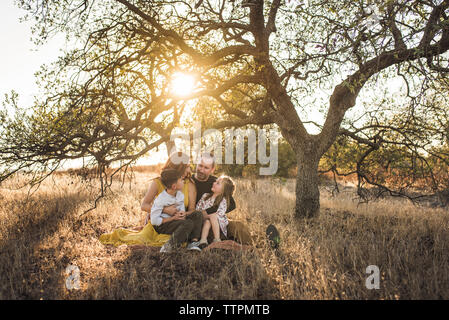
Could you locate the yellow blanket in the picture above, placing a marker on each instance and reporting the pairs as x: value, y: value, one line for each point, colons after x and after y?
x: 147, y: 236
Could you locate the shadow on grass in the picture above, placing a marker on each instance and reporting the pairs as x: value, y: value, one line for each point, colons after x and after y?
x: 31, y: 267
x: 214, y: 274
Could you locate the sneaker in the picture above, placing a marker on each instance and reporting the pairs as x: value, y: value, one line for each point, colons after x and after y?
x: 167, y: 247
x: 274, y: 237
x: 203, y: 245
x: 194, y: 246
x: 194, y: 243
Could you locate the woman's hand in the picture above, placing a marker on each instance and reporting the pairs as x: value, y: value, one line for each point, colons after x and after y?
x: 170, y: 210
x: 188, y: 213
x: 176, y: 216
x: 179, y: 216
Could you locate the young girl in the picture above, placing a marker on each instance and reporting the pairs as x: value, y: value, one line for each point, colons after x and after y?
x: 222, y: 190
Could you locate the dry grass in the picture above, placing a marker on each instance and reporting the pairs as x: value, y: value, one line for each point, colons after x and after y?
x: 323, y: 258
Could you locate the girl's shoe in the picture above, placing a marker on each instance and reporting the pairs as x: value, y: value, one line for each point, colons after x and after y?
x: 202, y: 245
x: 217, y: 240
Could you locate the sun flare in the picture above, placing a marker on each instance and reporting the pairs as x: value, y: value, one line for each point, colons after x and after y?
x: 182, y: 84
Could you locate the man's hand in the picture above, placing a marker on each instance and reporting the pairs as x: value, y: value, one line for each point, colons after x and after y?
x: 170, y: 210
x: 212, y: 209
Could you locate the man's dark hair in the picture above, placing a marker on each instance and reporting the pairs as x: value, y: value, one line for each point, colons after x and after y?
x: 169, y: 177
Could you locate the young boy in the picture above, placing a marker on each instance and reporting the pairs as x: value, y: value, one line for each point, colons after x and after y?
x: 183, y: 226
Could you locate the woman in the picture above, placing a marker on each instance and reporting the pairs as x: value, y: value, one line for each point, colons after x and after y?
x: 147, y: 235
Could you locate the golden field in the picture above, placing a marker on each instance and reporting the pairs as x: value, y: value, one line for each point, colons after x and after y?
x: 43, y: 231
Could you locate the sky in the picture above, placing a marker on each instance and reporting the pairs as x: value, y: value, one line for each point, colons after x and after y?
x: 20, y: 58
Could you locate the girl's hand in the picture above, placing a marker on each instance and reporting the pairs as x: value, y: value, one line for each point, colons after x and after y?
x: 205, y: 215
x: 170, y: 210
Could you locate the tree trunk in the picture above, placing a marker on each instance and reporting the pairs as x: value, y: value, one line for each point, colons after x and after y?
x: 307, y: 192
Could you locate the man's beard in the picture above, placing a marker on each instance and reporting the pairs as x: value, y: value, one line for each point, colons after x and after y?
x: 201, y: 176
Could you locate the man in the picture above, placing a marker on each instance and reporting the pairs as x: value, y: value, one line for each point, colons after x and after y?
x: 204, y: 180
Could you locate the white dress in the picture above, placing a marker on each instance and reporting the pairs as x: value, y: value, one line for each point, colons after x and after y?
x: 221, y: 211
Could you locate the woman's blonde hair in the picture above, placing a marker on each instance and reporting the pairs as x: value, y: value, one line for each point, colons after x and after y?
x: 228, y: 190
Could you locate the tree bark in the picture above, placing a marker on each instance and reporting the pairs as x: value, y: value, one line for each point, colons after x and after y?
x: 307, y: 191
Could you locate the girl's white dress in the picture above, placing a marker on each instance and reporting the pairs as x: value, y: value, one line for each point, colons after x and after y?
x: 221, y: 211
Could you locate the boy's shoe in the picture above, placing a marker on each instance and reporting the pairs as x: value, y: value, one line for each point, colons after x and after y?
x: 274, y: 237
x: 194, y: 243
x: 167, y: 247
x: 194, y: 246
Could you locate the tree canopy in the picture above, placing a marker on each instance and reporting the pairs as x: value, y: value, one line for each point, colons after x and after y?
x: 275, y: 62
